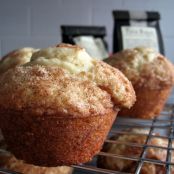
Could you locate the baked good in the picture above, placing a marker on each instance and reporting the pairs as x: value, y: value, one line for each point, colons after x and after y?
x: 118, y: 164
x: 58, y: 108
x: 9, y: 162
x: 152, y: 76
x: 16, y: 57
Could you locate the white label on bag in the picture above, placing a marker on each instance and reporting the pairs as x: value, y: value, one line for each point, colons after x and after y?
x: 134, y: 36
x: 94, y: 46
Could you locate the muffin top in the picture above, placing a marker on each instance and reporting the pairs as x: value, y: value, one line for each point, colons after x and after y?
x: 16, y: 57
x: 66, y: 80
x: 144, y: 67
x: 122, y: 149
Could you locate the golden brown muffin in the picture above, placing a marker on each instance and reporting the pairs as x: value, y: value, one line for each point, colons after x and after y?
x: 122, y: 149
x: 152, y: 76
x: 59, y: 107
x: 8, y: 161
x: 16, y: 57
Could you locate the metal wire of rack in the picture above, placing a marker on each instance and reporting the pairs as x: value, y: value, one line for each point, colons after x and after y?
x: 164, y: 124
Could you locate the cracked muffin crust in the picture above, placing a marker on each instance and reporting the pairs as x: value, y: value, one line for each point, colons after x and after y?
x: 75, y: 61
x: 62, y: 106
x: 16, y: 57
x: 144, y: 67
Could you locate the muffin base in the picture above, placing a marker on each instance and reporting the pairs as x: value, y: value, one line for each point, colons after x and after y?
x: 52, y: 141
x: 149, y: 103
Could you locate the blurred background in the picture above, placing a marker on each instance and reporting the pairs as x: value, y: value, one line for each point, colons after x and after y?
x: 36, y: 23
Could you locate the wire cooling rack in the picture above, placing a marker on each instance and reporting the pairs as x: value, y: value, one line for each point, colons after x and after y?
x: 163, y: 125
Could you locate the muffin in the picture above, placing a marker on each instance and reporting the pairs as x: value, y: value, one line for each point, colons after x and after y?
x: 118, y: 164
x: 152, y: 77
x: 16, y: 57
x: 9, y: 162
x: 58, y: 108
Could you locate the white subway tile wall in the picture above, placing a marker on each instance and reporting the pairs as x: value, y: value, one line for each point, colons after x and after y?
x: 37, y: 42
x: 36, y: 23
x: 33, y: 22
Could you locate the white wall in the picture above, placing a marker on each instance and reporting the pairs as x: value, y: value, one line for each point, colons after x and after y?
x: 37, y: 23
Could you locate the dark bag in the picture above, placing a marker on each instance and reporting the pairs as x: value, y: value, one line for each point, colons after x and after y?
x: 132, y: 28
x: 89, y: 37
x: 69, y: 32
